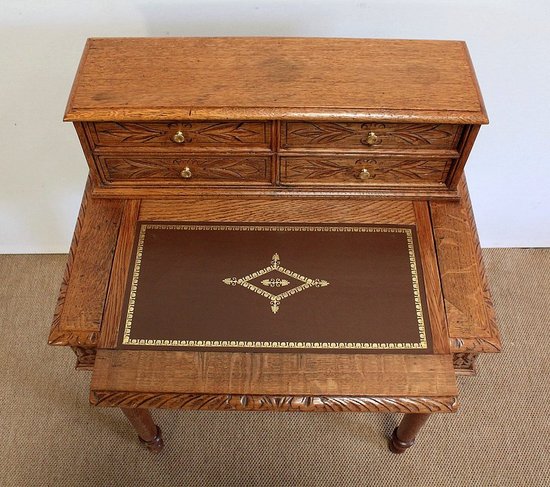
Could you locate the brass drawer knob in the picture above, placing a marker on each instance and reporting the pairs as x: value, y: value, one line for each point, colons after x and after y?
x: 364, y: 174
x: 186, y: 173
x: 372, y: 138
x: 178, y: 137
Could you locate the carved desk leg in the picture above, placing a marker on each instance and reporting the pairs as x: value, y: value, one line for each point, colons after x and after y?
x: 404, y: 435
x: 148, y: 432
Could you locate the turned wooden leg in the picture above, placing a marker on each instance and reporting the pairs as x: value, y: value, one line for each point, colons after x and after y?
x: 148, y: 432
x: 404, y: 435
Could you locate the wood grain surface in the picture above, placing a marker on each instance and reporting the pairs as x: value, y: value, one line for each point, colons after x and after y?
x: 301, y: 374
x: 79, y: 310
x: 119, y: 273
x: 468, y: 303
x: 91, y: 267
x: 434, y: 297
x: 283, y: 78
x: 278, y: 210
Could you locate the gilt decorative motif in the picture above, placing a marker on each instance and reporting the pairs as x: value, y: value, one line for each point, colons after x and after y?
x: 332, y: 133
x: 275, y: 282
x: 198, y: 132
x: 275, y: 299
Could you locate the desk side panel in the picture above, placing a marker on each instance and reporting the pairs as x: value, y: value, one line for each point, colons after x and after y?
x: 468, y: 303
x: 79, y: 310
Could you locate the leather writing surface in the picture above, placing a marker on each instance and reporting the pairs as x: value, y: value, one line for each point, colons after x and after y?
x: 276, y: 287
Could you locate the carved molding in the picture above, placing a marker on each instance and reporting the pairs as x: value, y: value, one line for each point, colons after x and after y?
x: 236, y: 402
x: 73, y: 338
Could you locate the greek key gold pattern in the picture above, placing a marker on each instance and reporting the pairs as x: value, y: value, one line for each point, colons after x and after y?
x: 421, y: 344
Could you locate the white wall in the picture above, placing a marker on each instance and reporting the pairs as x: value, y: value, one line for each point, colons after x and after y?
x: 42, y: 169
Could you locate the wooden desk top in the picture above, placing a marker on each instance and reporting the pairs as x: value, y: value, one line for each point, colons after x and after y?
x: 83, y: 313
x: 284, y: 78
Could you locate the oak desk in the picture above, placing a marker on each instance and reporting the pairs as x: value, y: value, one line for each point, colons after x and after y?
x: 285, y: 132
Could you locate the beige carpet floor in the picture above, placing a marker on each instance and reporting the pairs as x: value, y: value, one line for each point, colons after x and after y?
x: 49, y: 436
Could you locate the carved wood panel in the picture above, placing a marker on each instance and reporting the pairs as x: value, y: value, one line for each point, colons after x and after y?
x: 217, y: 169
x: 85, y: 357
x: 237, y: 402
x: 369, y: 135
x: 464, y: 363
x: 155, y: 134
x: 353, y: 170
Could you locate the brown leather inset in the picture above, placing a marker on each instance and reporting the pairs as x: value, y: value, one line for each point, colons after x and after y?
x: 276, y: 287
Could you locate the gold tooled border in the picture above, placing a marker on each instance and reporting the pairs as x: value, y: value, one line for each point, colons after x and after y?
x: 421, y: 344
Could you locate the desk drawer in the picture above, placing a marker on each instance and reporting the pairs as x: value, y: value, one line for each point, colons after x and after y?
x: 181, y: 135
x: 364, y: 136
x: 186, y: 170
x: 351, y: 170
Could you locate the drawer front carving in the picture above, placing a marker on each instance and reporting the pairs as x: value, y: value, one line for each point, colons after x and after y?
x: 182, y: 134
x: 340, y: 170
x: 358, y: 136
x: 187, y: 170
